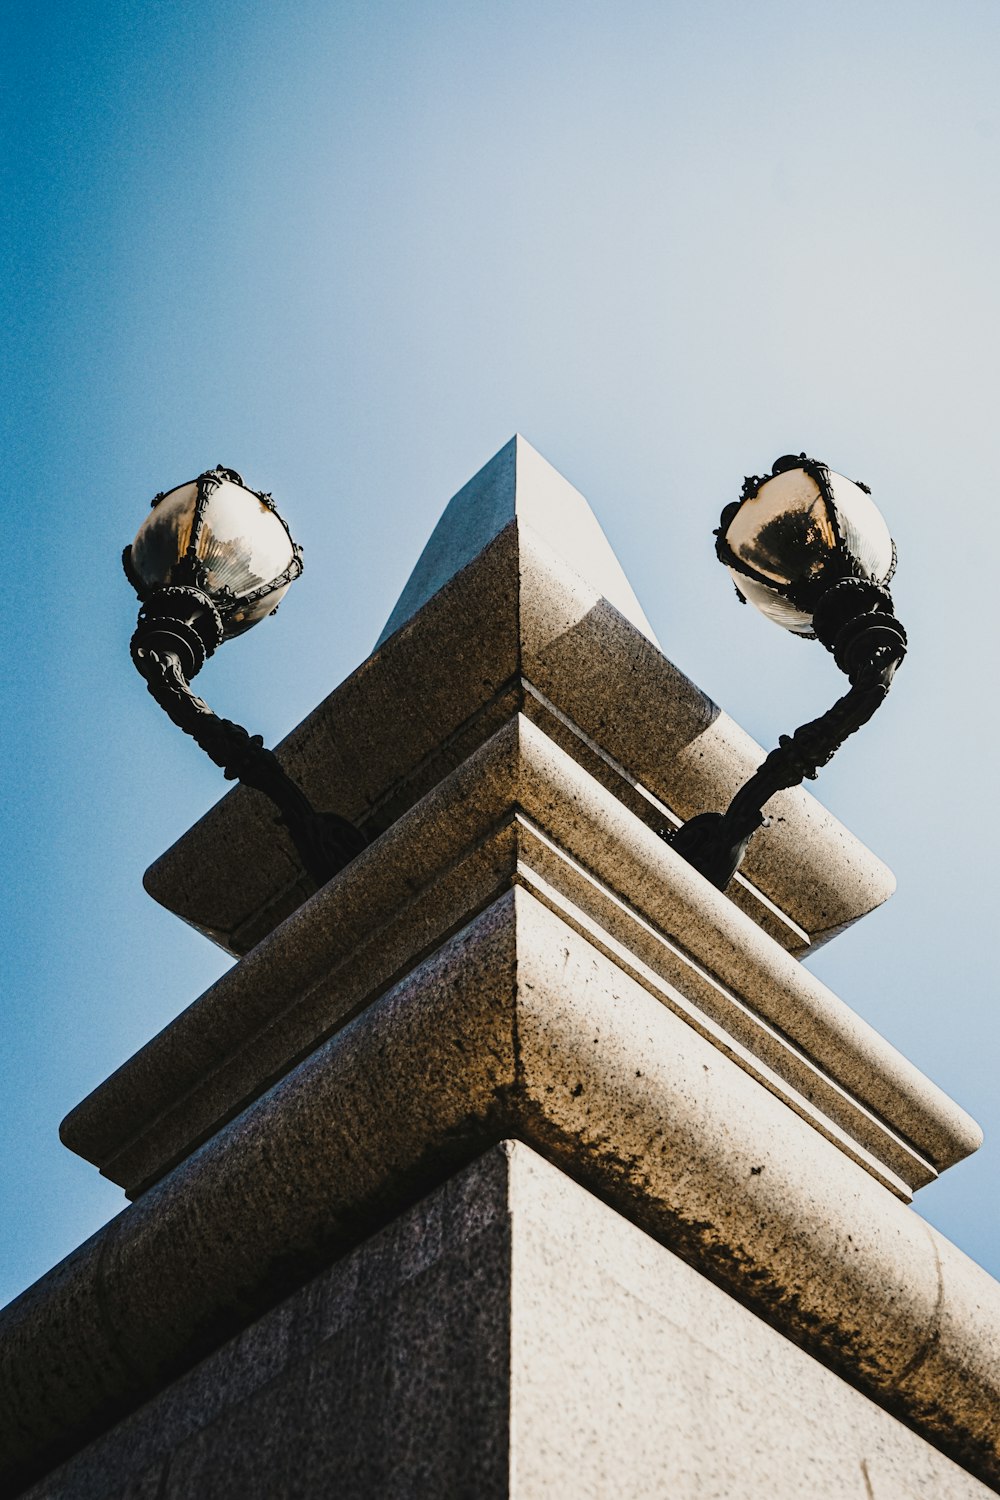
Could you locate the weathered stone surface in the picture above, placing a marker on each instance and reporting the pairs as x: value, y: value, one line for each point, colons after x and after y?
x: 509, y: 1335
x: 521, y: 810
x: 517, y: 1026
x: 388, y: 1375
x: 632, y: 1375
x: 518, y: 630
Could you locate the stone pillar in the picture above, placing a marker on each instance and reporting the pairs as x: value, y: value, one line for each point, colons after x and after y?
x: 517, y: 1160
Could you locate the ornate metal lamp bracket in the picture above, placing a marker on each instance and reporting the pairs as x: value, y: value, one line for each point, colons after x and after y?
x: 325, y: 842
x: 852, y: 616
x: 179, y: 627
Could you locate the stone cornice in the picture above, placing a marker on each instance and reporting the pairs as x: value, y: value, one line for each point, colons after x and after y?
x: 519, y: 1027
x: 521, y: 810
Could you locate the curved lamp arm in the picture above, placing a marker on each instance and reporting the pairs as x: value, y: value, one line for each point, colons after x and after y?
x: 325, y: 842
x: 200, y: 564
x: 854, y: 621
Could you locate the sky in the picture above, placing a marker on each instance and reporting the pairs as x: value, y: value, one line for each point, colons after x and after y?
x: 349, y: 250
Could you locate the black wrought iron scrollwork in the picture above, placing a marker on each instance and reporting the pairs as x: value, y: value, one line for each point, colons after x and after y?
x: 715, y: 843
x: 325, y: 842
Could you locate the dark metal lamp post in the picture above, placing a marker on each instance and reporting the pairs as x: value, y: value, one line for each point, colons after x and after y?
x: 212, y: 559
x: 810, y: 549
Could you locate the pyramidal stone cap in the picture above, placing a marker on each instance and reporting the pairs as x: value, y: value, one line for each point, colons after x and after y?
x: 517, y: 484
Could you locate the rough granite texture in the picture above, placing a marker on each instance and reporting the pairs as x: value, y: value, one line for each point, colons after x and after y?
x: 521, y: 810
x: 510, y: 1335
x: 516, y: 1027
x: 385, y: 1376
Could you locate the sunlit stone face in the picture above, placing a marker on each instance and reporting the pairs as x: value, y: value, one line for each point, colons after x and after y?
x: 789, y: 534
x: 242, y: 545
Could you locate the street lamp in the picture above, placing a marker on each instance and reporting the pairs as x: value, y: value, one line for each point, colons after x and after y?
x: 810, y: 549
x: 212, y: 559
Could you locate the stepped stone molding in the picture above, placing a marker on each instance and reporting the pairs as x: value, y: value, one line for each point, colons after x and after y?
x: 517, y: 1026
x: 518, y: 631
x: 477, y: 1345
x: 520, y: 810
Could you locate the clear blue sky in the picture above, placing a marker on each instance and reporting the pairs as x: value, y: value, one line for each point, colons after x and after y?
x: 349, y: 249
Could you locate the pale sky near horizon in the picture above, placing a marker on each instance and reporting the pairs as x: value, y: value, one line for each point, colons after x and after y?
x: 349, y: 250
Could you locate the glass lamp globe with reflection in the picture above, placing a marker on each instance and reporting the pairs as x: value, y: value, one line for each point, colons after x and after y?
x: 213, y: 553
x: 812, y: 552
x: 212, y: 559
